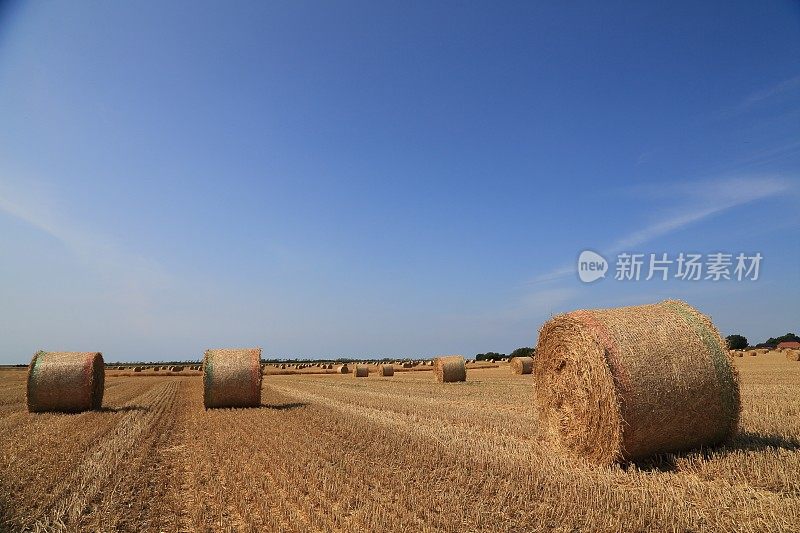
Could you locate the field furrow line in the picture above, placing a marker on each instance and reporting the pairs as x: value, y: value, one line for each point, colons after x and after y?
x: 93, y: 472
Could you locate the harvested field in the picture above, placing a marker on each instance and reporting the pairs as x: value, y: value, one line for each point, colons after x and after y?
x: 154, y: 460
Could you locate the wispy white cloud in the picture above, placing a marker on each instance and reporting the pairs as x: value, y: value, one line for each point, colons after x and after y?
x: 764, y: 96
x: 128, y: 276
x: 697, y: 201
x: 768, y: 93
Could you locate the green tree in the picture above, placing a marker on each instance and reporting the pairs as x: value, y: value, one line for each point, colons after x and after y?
x: 789, y: 337
x: 523, y: 352
x: 736, y: 342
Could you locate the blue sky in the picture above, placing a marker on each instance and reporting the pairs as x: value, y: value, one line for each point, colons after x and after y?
x: 327, y: 179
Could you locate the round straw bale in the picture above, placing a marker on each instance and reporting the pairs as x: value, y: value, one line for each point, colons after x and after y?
x: 232, y: 378
x: 361, y: 371
x: 65, y: 381
x: 387, y: 370
x: 450, y: 368
x: 622, y: 384
x: 792, y: 355
x: 137, y: 369
x: 522, y: 365
x: 343, y: 369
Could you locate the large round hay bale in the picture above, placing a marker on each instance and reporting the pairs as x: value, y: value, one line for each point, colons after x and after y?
x: 137, y: 369
x: 387, y: 370
x: 342, y: 369
x: 232, y: 378
x: 521, y: 365
x: 626, y: 383
x: 361, y: 371
x: 65, y: 381
x: 407, y: 364
x: 792, y: 355
x: 450, y: 368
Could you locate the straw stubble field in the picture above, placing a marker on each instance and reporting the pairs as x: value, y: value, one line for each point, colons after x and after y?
x: 334, y: 453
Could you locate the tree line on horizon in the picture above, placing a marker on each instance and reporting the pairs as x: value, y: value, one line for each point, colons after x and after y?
x: 740, y: 342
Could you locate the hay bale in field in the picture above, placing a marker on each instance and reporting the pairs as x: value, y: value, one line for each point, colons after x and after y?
x: 522, y: 365
x: 137, y: 369
x: 622, y: 384
x: 407, y: 365
x: 361, y: 371
x: 792, y: 355
x: 65, y: 381
x: 387, y: 370
x: 342, y: 369
x: 232, y: 378
x: 752, y: 353
x: 450, y: 368
x: 177, y: 369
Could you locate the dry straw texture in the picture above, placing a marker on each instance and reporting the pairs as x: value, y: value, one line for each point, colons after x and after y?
x: 65, y: 381
x: 626, y: 383
x: 232, y: 378
x: 361, y: 371
x: 450, y: 368
x: 387, y: 370
x: 793, y: 355
x: 521, y: 365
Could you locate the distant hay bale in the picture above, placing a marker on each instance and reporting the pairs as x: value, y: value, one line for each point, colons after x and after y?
x: 65, y: 381
x: 137, y: 369
x: 450, y: 368
x: 521, y: 365
x: 752, y: 353
x: 622, y: 384
x: 232, y: 378
x: 792, y: 355
x: 387, y: 370
x: 407, y: 365
x: 177, y: 369
x: 342, y: 369
x: 361, y: 371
